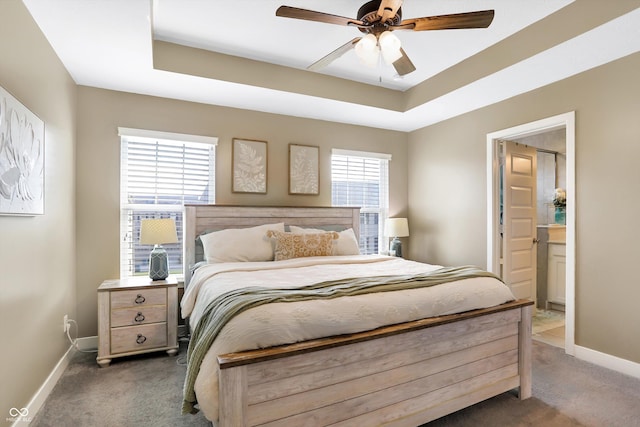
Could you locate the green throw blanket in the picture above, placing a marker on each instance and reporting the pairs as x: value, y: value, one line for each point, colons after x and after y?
x: 223, y: 308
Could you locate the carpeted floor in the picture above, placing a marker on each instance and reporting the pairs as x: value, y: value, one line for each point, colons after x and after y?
x: 147, y: 391
x: 138, y: 391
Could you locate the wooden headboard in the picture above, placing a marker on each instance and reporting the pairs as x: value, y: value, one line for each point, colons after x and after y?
x: 199, y: 219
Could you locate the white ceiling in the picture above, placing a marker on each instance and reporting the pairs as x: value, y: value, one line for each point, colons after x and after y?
x: 298, y: 43
x: 109, y: 44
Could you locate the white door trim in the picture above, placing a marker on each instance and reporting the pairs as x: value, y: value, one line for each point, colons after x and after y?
x: 566, y: 120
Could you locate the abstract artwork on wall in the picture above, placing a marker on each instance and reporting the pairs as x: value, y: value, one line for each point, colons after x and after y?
x: 21, y: 158
x: 304, y: 168
x: 249, y: 159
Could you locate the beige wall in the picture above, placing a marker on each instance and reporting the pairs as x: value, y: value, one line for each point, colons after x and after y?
x: 447, y: 194
x: 37, y: 254
x: 75, y: 243
x: 101, y: 112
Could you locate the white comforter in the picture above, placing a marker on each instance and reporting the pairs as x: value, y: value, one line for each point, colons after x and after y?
x: 281, y: 323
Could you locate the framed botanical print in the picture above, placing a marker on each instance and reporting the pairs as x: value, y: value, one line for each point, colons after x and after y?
x: 304, y: 169
x: 249, y: 166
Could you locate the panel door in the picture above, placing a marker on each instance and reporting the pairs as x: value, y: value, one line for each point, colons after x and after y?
x: 519, y: 217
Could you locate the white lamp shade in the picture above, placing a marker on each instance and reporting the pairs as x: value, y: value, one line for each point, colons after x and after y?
x: 367, y: 50
x: 390, y: 47
x: 158, y: 231
x: 396, y: 227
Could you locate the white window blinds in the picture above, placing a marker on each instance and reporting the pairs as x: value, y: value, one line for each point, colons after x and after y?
x: 158, y: 176
x: 362, y: 179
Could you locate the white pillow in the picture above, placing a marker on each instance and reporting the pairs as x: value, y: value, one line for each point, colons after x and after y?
x: 240, y: 244
x: 346, y: 244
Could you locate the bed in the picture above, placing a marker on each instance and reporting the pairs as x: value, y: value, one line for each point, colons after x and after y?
x: 405, y: 373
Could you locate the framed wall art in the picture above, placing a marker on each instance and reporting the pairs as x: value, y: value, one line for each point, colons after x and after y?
x: 249, y: 166
x: 304, y: 169
x: 21, y: 158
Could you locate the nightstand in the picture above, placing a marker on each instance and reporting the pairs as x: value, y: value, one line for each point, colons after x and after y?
x: 137, y: 315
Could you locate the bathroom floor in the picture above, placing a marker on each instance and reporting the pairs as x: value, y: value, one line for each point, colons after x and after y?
x: 548, y: 327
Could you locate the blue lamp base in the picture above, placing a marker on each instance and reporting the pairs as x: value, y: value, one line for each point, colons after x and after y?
x: 396, y: 247
x: 158, y: 263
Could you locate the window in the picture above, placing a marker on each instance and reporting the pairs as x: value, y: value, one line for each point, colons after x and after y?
x: 362, y: 179
x: 159, y: 173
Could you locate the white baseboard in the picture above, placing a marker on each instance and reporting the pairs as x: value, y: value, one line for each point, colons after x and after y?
x: 87, y: 343
x: 43, y: 392
x: 38, y: 399
x: 608, y: 361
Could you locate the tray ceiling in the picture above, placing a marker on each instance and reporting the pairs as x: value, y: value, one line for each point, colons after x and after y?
x: 239, y: 54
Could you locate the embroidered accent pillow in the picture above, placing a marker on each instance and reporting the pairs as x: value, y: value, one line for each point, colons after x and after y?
x: 289, y: 245
x: 347, y: 243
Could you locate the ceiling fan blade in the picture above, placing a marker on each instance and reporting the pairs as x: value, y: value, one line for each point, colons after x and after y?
x: 479, y: 19
x: 404, y: 65
x: 311, y: 15
x: 388, y: 9
x: 328, y: 59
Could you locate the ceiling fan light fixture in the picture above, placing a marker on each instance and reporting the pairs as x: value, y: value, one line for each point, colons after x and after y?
x: 367, y: 50
x: 377, y: 19
x: 390, y: 47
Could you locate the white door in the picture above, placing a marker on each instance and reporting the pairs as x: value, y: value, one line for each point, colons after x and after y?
x: 519, y: 219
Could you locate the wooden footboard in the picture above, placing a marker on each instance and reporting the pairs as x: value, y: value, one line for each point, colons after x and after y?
x: 401, y: 375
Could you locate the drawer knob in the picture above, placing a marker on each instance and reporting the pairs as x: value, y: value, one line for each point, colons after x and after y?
x: 139, y: 317
x: 140, y: 299
x: 141, y: 339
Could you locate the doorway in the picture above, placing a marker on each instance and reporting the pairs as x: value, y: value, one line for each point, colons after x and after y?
x: 565, y: 122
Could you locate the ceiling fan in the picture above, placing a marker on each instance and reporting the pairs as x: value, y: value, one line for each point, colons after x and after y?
x: 377, y: 19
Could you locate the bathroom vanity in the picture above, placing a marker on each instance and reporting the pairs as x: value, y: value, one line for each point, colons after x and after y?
x: 556, y: 266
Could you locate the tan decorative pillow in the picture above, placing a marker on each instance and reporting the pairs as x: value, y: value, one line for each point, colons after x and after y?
x: 289, y: 245
x: 347, y: 243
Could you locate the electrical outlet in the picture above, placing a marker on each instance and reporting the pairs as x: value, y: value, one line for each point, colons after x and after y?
x: 65, y: 324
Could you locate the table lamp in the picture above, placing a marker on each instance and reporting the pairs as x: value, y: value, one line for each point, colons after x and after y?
x: 156, y: 232
x: 396, y: 227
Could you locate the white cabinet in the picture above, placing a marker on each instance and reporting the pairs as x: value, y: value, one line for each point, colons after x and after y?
x: 556, y: 276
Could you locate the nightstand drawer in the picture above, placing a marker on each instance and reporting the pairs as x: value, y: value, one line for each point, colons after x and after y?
x: 138, y: 315
x: 134, y: 338
x: 138, y: 298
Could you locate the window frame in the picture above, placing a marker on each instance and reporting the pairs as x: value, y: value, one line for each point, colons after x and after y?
x: 158, y: 210
x: 383, y: 194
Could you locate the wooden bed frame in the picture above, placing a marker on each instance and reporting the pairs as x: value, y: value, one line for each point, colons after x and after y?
x: 401, y: 375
